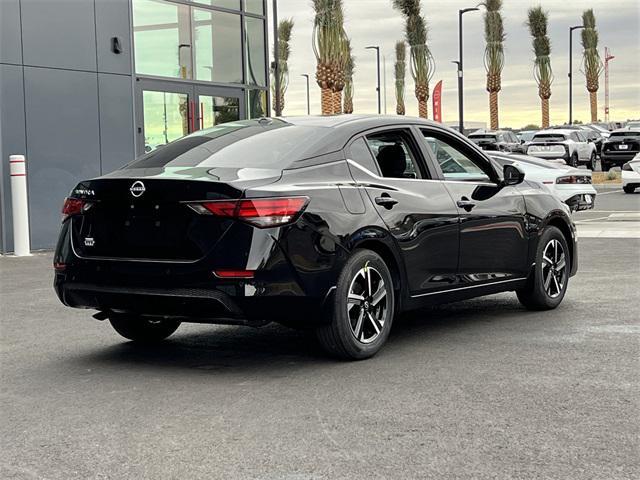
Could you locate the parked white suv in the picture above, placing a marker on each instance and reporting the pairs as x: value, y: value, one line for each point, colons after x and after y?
x: 571, y: 146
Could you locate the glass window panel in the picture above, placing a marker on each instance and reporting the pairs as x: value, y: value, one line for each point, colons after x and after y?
x: 166, y: 118
x: 218, y: 46
x: 162, y: 39
x: 231, y: 4
x: 257, y: 103
x: 217, y: 110
x: 256, y: 62
x: 254, y: 6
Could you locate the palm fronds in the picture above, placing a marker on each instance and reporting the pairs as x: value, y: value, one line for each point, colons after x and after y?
x: 422, y: 64
x: 328, y: 47
x: 400, y: 73
x: 542, y: 72
x: 285, y: 27
x: 493, y: 54
x: 591, y: 61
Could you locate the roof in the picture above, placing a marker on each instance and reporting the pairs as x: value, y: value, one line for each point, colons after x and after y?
x: 561, y: 131
x: 334, y: 121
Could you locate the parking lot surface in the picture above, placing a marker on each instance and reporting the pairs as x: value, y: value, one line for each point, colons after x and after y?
x: 478, y: 389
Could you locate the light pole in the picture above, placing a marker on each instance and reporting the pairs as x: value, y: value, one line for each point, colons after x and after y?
x: 571, y: 29
x: 306, y: 75
x: 459, y: 62
x: 377, y: 49
x: 276, y: 59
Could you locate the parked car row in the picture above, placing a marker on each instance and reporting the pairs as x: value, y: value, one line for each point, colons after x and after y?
x: 621, y: 146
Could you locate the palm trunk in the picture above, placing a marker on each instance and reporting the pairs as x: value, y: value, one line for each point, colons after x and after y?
x: 545, y: 112
x: 326, y: 96
x: 337, y: 102
x: 493, y: 109
x: 348, y: 105
x: 423, y: 108
x: 400, y: 110
x: 593, y: 98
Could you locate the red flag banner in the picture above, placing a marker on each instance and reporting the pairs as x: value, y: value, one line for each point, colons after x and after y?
x: 437, y: 102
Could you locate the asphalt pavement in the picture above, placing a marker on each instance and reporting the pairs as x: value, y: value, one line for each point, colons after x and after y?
x: 479, y: 389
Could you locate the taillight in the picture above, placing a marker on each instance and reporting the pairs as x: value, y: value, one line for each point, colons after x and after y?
x: 571, y: 179
x: 247, y: 274
x: 72, y: 206
x: 259, y: 212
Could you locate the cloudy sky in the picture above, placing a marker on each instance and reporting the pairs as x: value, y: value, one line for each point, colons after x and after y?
x: 375, y: 22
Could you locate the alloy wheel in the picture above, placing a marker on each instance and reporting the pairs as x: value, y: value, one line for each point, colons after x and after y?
x: 367, y: 304
x: 554, y: 268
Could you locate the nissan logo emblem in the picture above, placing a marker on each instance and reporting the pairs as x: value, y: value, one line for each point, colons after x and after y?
x: 137, y: 188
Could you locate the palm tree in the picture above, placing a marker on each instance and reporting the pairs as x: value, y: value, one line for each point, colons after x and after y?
x: 284, y: 36
x: 422, y: 65
x: 542, y: 72
x: 348, y: 85
x: 400, y: 71
x: 591, y: 59
x: 493, y: 54
x: 328, y: 34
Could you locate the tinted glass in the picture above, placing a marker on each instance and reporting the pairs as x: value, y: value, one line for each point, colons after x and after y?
x: 218, y: 46
x: 359, y: 152
x: 241, y: 144
x: 625, y: 134
x: 159, y: 30
x: 256, y: 62
x: 254, y: 6
x: 455, y: 162
x: 258, y: 103
x: 482, y: 136
x: 394, y: 155
x: 231, y: 4
x: 549, y: 137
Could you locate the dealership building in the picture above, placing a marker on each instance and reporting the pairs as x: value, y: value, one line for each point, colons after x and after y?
x: 86, y: 85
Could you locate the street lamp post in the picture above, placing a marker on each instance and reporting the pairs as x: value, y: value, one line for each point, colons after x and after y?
x: 306, y: 75
x: 459, y: 62
x: 571, y: 29
x: 377, y: 49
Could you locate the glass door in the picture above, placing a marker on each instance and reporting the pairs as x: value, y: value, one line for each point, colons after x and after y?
x: 165, y: 112
x: 169, y: 110
x: 218, y: 105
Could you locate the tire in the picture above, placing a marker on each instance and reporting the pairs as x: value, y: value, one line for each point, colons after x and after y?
x: 141, y: 329
x: 592, y: 165
x: 537, y: 295
x: 573, y: 161
x: 628, y: 189
x: 358, y: 322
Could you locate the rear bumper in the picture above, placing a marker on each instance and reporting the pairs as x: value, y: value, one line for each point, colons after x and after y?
x: 617, y: 158
x: 223, y: 305
x: 581, y: 201
x: 630, y: 178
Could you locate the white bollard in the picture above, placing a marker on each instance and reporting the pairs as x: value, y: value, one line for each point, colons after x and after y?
x: 20, y: 205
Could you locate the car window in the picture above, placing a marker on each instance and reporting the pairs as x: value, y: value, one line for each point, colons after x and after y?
x: 454, y: 162
x: 359, y: 152
x: 549, y: 137
x: 625, y: 134
x: 394, y: 154
x: 574, y: 136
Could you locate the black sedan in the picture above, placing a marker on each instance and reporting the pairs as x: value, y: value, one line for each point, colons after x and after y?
x: 331, y: 223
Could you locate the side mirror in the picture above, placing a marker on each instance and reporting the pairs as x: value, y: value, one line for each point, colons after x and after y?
x: 522, y: 141
x: 512, y: 175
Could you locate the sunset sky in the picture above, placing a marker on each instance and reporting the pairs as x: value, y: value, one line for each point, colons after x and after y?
x: 375, y: 22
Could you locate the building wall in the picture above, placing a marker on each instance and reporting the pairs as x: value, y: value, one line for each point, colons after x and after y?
x: 66, y: 101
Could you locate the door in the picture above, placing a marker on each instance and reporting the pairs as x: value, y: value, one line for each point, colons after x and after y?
x: 218, y: 105
x: 493, y: 236
x: 168, y: 110
x: 584, y: 150
x: 417, y: 210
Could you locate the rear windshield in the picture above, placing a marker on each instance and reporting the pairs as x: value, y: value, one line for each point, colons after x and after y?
x: 625, y: 134
x: 249, y: 144
x: 548, y: 137
x: 481, y: 136
x: 527, y: 136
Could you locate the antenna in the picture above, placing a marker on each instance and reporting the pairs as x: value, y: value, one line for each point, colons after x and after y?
x: 607, y: 57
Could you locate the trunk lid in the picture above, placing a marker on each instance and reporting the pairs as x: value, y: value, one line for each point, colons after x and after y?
x: 142, y: 215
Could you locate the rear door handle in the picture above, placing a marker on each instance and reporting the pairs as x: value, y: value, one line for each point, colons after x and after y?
x: 466, y: 204
x: 386, y: 201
